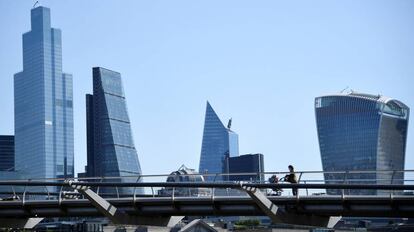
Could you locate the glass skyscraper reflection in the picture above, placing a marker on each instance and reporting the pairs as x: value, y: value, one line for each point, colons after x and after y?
x: 218, y: 143
x: 111, y: 149
x: 362, y: 132
x: 43, y: 105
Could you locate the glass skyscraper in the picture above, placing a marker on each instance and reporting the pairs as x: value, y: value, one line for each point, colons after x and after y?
x: 43, y: 105
x: 249, y: 163
x: 111, y: 149
x: 6, y: 152
x: 362, y: 132
x: 218, y: 143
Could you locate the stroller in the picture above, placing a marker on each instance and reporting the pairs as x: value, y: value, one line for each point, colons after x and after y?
x: 275, y: 191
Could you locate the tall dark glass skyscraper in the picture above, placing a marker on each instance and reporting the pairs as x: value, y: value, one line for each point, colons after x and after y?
x: 111, y: 149
x: 6, y: 152
x: 43, y: 106
x: 362, y: 132
x: 218, y: 143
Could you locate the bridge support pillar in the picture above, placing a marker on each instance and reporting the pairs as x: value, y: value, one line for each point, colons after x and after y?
x: 118, y: 216
x: 280, y: 215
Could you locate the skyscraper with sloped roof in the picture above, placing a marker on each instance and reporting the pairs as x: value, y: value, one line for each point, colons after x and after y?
x: 110, y: 146
x: 218, y: 142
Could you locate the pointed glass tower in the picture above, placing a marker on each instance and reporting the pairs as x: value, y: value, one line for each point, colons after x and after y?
x: 43, y: 104
x: 218, y: 143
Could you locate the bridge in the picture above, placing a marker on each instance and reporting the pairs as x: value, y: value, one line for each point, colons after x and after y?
x: 27, y: 204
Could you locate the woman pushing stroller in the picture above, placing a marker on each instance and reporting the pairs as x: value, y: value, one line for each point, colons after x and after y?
x: 291, y: 178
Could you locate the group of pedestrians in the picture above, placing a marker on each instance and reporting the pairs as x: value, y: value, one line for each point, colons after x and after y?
x: 291, y: 178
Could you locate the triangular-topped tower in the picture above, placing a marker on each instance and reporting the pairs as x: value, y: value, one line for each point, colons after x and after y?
x: 218, y: 142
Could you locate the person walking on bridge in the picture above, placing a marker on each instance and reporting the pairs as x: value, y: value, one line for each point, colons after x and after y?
x: 291, y: 178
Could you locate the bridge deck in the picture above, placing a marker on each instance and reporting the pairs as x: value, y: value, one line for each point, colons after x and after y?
x: 366, y: 206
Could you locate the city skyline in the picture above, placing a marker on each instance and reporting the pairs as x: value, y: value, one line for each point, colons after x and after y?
x: 168, y: 84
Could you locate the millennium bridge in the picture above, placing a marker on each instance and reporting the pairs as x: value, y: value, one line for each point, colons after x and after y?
x: 149, y: 201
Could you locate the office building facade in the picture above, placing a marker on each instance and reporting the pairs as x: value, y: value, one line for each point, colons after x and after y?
x: 218, y: 142
x: 43, y: 104
x: 6, y: 153
x: 249, y: 163
x: 111, y: 150
x: 362, y: 132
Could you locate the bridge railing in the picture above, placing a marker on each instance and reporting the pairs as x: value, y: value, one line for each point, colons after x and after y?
x: 309, y: 183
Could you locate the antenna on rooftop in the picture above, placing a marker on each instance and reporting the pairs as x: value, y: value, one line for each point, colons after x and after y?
x: 37, y: 2
x: 342, y: 91
x: 229, y: 124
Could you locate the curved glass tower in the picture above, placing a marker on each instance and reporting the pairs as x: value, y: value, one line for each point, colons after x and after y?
x: 218, y: 143
x: 111, y: 149
x: 362, y: 132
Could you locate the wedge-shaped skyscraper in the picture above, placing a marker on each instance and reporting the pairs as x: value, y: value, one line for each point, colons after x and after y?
x: 43, y: 106
x: 111, y: 149
x: 219, y: 142
x: 362, y: 132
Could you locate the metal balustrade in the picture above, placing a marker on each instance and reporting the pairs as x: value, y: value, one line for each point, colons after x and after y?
x: 309, y: 182
x: 161, y: 201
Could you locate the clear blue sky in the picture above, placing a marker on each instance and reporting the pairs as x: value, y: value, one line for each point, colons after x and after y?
x: 260, y: 62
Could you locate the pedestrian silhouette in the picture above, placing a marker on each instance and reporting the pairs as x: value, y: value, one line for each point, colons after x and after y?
x: 291, y: 178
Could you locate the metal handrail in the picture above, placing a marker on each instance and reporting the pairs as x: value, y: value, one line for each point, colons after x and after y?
x: 117, y: 192
x: 60, y: 194
x: 135, y: 189
x: 97, y: 190
x: 234, y: 185
x: 343, y: 180
x: 49, y: 183
x: 230, y: 174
